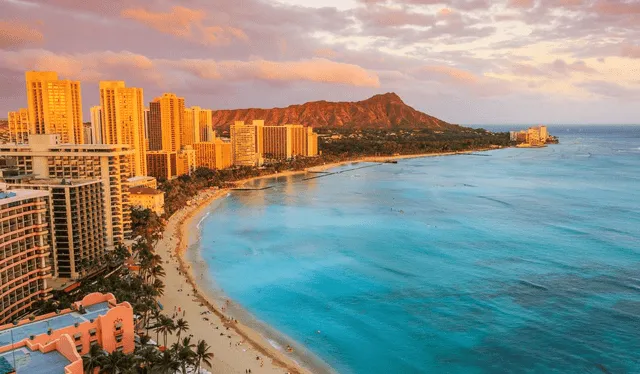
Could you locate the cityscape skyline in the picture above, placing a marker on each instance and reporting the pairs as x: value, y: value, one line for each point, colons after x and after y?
x: 516, y: 61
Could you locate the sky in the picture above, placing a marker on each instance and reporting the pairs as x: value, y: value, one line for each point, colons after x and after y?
x: 464, y: 61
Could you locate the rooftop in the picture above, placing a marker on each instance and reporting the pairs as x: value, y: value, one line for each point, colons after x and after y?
x: 140, y: 178
x: 27, y: 361
x: 56, y: 182
x: 144, y: 191
x: 7, y: 197
x: 21, y: 332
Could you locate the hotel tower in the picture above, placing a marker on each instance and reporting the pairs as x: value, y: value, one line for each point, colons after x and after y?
x: 25, y: 246
x: 123, y: 121
x: 54, y: 106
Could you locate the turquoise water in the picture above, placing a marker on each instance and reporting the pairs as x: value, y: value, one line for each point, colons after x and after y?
x: 511, y: 261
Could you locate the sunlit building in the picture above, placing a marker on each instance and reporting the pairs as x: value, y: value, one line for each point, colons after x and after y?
x: 55, y: 342
x: 186, y: 161
x: 206, y: 125
x: 166, y: 116
x: 46, y: 157
x: 55, y: 106
x: 246, y: 143
x: 25, y: 247
x: 162, y: 165
x: 215, y: 154
x: 123, y: 121
x: 147, y: 198
x: 77, y: 221
x: 19, y: 126
x: 145, y: 181
x: 96, y: 125
x: 191, y: 126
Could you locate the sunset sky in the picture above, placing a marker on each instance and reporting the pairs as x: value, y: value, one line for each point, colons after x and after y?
x: 464, y: 61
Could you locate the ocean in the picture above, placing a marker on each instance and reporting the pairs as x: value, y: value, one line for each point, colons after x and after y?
x: 508, y: 261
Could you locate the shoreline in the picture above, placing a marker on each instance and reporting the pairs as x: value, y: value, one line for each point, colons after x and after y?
x: 187, y: 220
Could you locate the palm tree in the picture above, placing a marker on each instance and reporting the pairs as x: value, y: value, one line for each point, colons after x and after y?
x: 116, y: 363
x: 166, y: 327
x: 203, y: 354
x: 181, y: 326
x: 93, y: 359
x: 145, y: 358
x: 167, y: 363
x: 184, y: 352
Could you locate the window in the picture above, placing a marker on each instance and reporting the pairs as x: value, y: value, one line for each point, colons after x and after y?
x: 77, y: 336
x: 118, y: 338
x: 92, y: 332
x: 79, y: 348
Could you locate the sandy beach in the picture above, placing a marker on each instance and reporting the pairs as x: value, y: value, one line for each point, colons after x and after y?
x: 236, y: 346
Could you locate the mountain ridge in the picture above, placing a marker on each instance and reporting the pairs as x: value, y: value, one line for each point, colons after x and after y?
x: 379, y: 111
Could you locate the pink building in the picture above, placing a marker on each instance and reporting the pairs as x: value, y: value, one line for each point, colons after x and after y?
x: 54, y: 343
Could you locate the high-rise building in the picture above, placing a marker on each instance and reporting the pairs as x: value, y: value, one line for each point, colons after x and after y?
x: 284, y: 142
x: 246, y: 143
x: 19, y: 126
x: 186, y: 161
x: 25, y: 246
x: 55, y: 342
x: 191, y: 126
x: 45, y: 157
x: 162, y: 165
x: 312, y: 143
x: 123, y: 121
x: 88, y: 134
x: 166, y: 116
x: 206, y: 125
x: 96, y: 125
x: 213, y: 155
x: 78, y: 223
x: 55, y: 106
x: 277, y: 143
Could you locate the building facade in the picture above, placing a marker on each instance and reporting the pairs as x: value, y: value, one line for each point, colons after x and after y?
x: 55, y: 106
x: 147, y: 198
x: 96, y: 125
x: 206, y: 125
x: 123, y: 121
x: 162, y: 165
x: 150, y: 182
x: 25, y: 248
x: 166, y: 116
x: 213, y: 155
x: 246, y: 143
x: 19, y: 126
x: 186, y: 161
x: 78, y: 224
x: 96, y: 320
x: 45, y: 157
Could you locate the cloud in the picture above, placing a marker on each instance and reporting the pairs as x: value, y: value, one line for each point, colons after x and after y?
x: 108, y: 65
x: 89, y: 67
x: 447, y: 73
x: 520, y: 3
x: 187, y: 24
x: 630, y: 51
x: 313, y: 70
x: 15, y: 34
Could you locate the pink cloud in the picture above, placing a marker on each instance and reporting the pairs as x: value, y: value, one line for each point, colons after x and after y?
x: 520, y: 3
x: 630, y: 51
x: 15, y: 34
x: 449, y: 73
x: 617, y: 7
x: 325, y: 53
x: 187, y: 24
x: 312, y: 70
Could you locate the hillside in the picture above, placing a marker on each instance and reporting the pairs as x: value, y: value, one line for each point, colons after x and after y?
x: 379, y: 111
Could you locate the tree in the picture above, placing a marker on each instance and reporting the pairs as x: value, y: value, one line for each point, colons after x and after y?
x: 181, y: 326
x: 93, y: 359
x: 184, y: 353
x: 203, y: 354
x: 117, y: 363
x: 166, y: 327
x: 167, y: 363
